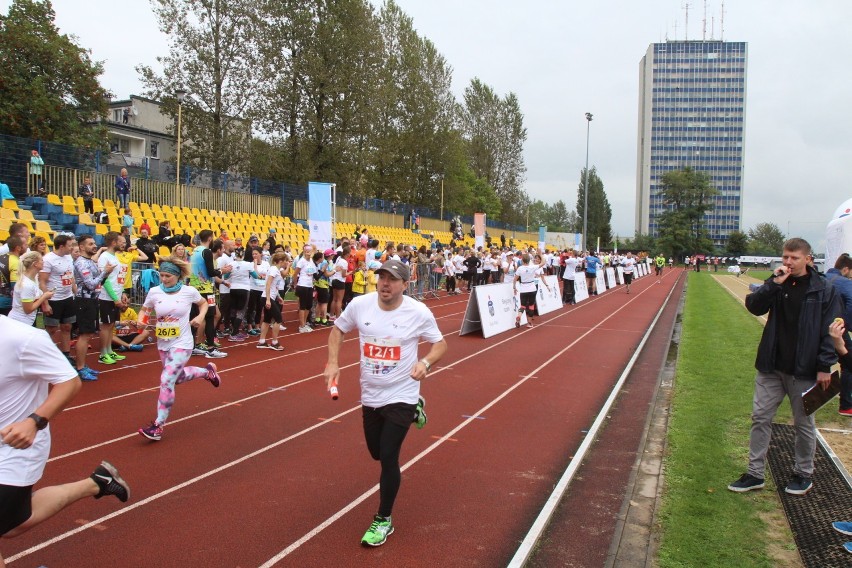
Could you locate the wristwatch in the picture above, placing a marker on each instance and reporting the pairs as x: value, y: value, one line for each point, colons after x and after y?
x: 41, y: 421
x: 426, y: 364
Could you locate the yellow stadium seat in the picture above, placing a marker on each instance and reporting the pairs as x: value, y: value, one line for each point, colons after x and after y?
x: 69, y: 209
x: 7, y: 214
x: 101, y: 229
x: 53, y: 199
x: 5, y: 224
x: 4, y: 235
x: 11, y: 204
x: 25, y: 215
x: 85, y: 219
x: 43, y: 227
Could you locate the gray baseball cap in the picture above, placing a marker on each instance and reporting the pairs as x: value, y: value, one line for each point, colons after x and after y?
x: 396, y: 269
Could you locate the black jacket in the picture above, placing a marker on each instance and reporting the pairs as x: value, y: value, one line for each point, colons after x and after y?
x: 815, y: 351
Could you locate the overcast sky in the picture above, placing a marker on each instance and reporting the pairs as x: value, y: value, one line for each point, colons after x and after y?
x: 565, y: 58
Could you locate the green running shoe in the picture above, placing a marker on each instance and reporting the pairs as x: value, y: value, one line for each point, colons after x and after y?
x: 420, y: 419
x: 106, y: 359
x: 117, y: 357
x: 378, y: 532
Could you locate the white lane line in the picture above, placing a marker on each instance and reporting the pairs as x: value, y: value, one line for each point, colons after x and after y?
x: 360, y: 499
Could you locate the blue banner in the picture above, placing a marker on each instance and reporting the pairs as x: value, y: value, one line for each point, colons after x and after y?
x: 319, y: 215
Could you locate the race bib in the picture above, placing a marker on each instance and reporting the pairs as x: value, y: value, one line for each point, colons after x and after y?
x: 166, y: 331
x: 211, y: 300
x: 122, y: 273
x: 68, y: 278
x: 382, y: 354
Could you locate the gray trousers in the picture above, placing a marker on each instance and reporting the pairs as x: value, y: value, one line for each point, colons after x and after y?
x: 769, y: 392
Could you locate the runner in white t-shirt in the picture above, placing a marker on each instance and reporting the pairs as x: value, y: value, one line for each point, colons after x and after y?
x: 170, y: 302
x: 26, y: 407
x: 27, y: 297
x: 389, y: 326
x: 628, y: 264
x: 303, y: 273
x: 568, y: 277
x: 525, y: 282
x: 111, y: 299
x: 57, y: 274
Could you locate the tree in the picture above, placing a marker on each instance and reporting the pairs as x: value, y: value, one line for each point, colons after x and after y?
x: 737, y: 244
x: 640, y: 242
x: 213, y: 54
x: 49, y: 86
x: 688, y: 196
x: 765, y: 239
x: 600, y: 213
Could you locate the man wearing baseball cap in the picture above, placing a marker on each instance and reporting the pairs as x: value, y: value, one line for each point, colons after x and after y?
x: 390, y: 327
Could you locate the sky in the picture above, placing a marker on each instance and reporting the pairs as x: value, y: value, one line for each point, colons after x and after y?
x: 564, y: 58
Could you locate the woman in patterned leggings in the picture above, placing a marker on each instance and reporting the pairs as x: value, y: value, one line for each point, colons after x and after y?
x: 172, y: 301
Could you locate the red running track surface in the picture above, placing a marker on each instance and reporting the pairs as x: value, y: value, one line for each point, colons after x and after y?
x: 268, y: 470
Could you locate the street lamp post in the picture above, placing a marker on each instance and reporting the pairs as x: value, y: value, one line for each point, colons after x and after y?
x: 586, y: 187
x: 181, y: 95
x: 442, y: 198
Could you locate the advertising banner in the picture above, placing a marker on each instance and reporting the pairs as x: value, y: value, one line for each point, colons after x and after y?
x: 549, y: 298
x: 491, y: 308
x: 479, y: 229
x: 542, y: 230
x: 581, y: 292
x: 319, y: 215
x: 619, y: 273
x: 600, y: 283
x: 610, y: 277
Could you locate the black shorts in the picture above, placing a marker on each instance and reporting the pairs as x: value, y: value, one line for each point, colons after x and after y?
x: 399, y: 413
x: 64, y: 311
x: 628, y: 277
x: 272, y: 313
x: 16, y: 506
x: 591, y: 275
x: 306, y: 297
x: 527, y: 301
x: 109, y: 311
x: 87, y: 315
x: 338, y: 284
x: 323, y: 295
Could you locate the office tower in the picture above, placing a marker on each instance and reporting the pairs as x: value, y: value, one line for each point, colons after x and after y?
x: 692, y: 113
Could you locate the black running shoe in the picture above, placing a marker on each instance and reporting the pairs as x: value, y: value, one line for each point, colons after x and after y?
x: 107, y: 478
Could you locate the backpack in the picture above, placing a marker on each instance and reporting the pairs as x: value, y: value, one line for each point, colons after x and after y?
x: 102, y: 218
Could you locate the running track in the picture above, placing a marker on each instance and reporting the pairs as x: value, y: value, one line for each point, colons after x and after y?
x: 268, y: 470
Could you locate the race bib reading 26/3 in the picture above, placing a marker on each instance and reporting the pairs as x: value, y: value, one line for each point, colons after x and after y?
x: 382, y: 354
x: 167, y: 331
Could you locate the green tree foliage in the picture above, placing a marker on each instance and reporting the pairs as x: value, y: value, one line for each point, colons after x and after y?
x: 737, y: 244
x: 765, y: 239
x: 599, y: 225
x: 213, y: 55
x: 688, y: 196
x: 49, y: 86
x: 640, y: 242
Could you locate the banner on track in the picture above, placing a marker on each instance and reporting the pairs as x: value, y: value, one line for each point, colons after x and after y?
x: 610, y: 277
x: 548, y: 300
x: 619, y: 273
x: 600, y: 283
x: 491, y: 308
x: 581, y: 292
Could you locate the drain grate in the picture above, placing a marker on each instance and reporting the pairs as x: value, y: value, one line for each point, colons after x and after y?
x: 810, y: 516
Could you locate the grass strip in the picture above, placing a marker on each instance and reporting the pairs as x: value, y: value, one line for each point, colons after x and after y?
x: 702, y: 523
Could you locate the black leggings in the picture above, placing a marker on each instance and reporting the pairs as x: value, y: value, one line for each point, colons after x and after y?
x: 451, y: 283
x: 385, y: 429
x: 209, y: 331
x: 239, y: 299
x: 254, y: 310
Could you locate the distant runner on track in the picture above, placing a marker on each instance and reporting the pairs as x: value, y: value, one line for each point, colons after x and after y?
x: 390, y: 326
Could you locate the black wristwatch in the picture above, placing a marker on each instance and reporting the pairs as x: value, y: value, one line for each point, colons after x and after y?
x: 41, y: 421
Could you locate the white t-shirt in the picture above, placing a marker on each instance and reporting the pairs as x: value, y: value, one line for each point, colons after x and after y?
x: 341, y: 267
x: 222, y: 262
x: 172, y: 316
x: 25, y: 291
x: 570, y: 268
x: 508, y: 270
x: 115, y: 278
x: 260, y: 282
x: 32, y: 363
x: 527, y: 275
x: 274, y: 274
x: 241, y: 274
x: 628, y: 264
x: 388, y: 341
x: 307, y: 269
x: 60, y: 270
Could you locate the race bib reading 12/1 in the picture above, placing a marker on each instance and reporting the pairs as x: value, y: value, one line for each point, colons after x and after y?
x: 381, y: 355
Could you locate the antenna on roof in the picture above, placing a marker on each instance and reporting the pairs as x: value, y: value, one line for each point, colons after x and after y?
x: 686, y: 18
x: 723, y: 21
x: 704, y: 23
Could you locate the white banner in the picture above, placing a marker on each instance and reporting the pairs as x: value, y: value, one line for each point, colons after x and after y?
x: 600, y: 283
x: 619, y: 272
x: 548, y: 300
x: 491, y: 308
x: 610, y: 277
x: 580, y: 291
x: 643, y: 270
x: 320, y: 235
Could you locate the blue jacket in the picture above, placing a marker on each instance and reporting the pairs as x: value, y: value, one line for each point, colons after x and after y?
x: 843, y: 286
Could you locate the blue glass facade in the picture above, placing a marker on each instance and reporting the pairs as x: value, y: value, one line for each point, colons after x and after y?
x: 692, y: 113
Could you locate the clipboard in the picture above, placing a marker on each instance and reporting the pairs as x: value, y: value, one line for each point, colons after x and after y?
x: 814, y: 398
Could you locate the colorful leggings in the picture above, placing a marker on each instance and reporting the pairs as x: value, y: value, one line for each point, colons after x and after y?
x: 175, y: 372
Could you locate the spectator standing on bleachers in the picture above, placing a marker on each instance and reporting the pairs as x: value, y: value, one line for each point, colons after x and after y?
x: 86, y: 192
x: 57, y: 275
x: 5, y: 192
x: 89, y: 279
x: 172, y: 301
x: 36, y: 165
x: 122, y: 188
x: 9, y: 271
x: 795, y: 352
x: 127, y: 220
x: 111, y: 298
